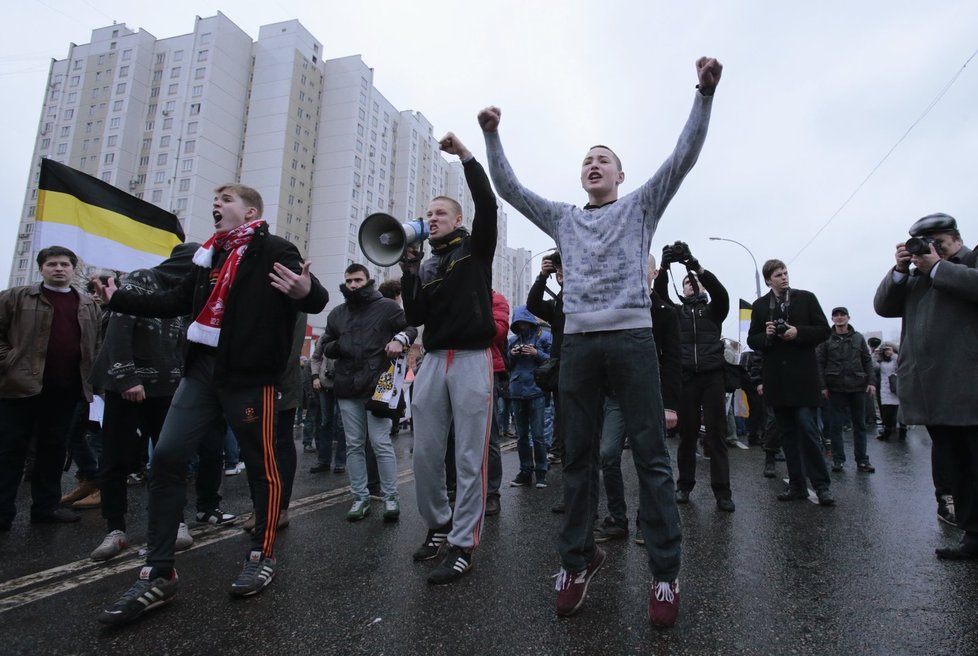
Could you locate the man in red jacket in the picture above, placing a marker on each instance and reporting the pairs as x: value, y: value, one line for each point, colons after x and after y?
x: 500, y: 314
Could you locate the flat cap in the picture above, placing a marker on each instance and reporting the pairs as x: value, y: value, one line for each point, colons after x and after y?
x: 933, y: 223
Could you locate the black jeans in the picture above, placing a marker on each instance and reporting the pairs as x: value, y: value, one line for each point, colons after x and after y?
x: 46, y: 416
x: 199, y: 410
x: 704, y: 390
x: 958, y: 450
x: 802, y: 444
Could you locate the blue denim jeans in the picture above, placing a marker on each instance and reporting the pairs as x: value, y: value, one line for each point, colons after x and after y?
x: 362, y: 425
x: 530, y: 441
x: 612, y: 444
x: 232, y: 454
x: 548, y: 422
x: 801, y: 442
x: 842, y: 406
x: 330, y: 430
x: 623, y: 362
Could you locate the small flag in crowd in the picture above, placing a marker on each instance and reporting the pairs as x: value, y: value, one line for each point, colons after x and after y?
x: 103, y: 225
x: 745, y: 309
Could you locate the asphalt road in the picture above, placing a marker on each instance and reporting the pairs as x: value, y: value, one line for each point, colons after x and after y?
x: 771, y: 578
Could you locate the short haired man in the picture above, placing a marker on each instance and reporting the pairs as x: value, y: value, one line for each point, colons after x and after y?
x: 786, y: 325
x: 48, y: 334
x: 363, y: 335
x: 847, y: 377
x: 245, y: 292
x: 702, y: 310
x: 608, y: 344
x: 450, y: 294
x: 938, y: 360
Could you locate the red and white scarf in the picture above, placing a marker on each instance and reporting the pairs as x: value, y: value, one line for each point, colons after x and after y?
x: 206, y: 328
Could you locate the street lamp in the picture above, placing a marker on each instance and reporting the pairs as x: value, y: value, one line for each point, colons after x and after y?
x: 519, y: 276
x: 757, y: 274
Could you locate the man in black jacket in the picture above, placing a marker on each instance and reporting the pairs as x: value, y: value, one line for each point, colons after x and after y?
x: 450, y: 294
x: 363, y: 335
x: 786, y: 325
x: 244, y: 293
x: 704, y: 306
x: 847, y: 378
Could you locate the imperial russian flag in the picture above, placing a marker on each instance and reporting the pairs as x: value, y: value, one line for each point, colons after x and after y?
x: 103, y: 225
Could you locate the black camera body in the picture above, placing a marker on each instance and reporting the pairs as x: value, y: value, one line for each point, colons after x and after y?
x: 680, y: 251
x: 919, y: 245
x: 780, y: 327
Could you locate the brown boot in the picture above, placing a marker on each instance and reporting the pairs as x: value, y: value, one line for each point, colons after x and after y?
x: 93, y: 500
x: 84, y: 488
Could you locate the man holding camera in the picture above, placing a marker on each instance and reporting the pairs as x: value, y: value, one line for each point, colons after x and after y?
x: 938, y: 360
x: 786, y: 325
x: 704, y: 306
x: 529, y: 347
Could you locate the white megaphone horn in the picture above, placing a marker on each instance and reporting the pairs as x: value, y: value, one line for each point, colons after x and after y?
x: 383, y: 239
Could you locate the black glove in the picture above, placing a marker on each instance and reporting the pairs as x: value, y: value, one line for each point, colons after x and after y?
x: 685, y: 253
x: 411, y: 261
x: 667, y: 257
x: 692, y: 264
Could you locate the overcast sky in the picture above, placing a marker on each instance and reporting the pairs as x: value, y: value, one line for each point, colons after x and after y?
x: 812, y: 97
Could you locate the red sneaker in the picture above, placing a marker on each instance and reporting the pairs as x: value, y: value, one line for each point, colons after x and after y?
x: 664, y: 603
x: 572, y: 588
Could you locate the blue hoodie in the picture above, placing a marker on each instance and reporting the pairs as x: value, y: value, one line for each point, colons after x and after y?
x: 521, y: 383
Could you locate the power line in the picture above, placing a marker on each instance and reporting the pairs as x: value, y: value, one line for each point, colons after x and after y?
x: 920, y: 118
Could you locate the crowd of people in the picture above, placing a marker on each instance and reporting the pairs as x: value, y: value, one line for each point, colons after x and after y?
x: 203, y: 351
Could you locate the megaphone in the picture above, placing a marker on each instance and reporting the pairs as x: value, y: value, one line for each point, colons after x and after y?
x: 383, y: 239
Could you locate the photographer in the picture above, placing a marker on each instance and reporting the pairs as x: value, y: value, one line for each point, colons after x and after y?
x: 551, y: 311
x: 786, y: 325
x: 704, y: 306
x: 529, y: 347
x: 938, y: 361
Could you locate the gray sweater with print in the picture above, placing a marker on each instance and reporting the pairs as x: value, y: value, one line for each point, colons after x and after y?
x: 605, y: 249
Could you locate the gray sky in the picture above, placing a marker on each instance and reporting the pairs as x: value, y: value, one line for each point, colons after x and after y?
x: 812, y: 98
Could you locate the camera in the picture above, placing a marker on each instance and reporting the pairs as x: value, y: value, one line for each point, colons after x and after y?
x: 780, y: 327
x: 919, y: 245
x: 680, y: 251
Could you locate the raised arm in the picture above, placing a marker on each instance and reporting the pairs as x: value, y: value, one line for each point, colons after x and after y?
x: 540, y: 211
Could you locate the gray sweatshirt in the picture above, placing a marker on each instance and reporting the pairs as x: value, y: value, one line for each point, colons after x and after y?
x: 605, y: 250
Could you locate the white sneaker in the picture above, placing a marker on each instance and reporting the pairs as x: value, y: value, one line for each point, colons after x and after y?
x: 234, y: 471
x: 111, y: 546
x: 184, y: 539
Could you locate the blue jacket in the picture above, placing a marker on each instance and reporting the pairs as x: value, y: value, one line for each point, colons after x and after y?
x: 521, y: 383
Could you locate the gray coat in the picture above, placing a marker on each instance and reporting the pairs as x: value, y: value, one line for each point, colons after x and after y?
x: 938, y: 360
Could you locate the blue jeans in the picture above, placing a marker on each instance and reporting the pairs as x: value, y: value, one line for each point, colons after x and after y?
x: 361, y: 425
x: 801, y: 442
x: 612, y: 443
x: 623, y: 362
x: 310, y: 421
x: 330, y: 430
x: 843, y: 405
x: 548, y: 423
x: 232, y: 454
x: 530, y: 441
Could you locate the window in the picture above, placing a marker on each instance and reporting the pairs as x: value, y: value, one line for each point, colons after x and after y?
x: 160, y: 57
x: 167, y: 123
x: 65, y: 131
x: 146, y: 144
x: 95, y: 93
x: 198, y: 91
x: 157, y: 75
x: 195, y: 109
x: 165, y: 141
x: 62, y: 148
x: 114, y: 122
x: 199, y: 73
x: 111, y: 141
x: 126, y: 55
x: 151, y: 109
x: 188, y: 165
x: 144, y: 160
x: 154, y: 92
x: 177, y: 55
x: 161, y: 159
x: 120, y: 88
x: 169, y: 105
x: 157, y: 195
x: 189, y: 147
x: 158, y: 177
x: 192, y: 127
x: 184, y: 184
x: 108, y: 159
x: 123, y: 71
x: 117, y: 105
x: 150, y: 125
x: 45, y: 143
x: 106, y: 176
x: 101, y: 59
x: 202, y: 56
x: 174, y: 72
x: 73, y: 96
x: 172, y: 89
x: 75, y: 79
x: 205, y: 38
x: 181, y: 204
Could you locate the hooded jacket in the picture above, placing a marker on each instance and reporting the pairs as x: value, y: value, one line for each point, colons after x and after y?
x: 845, y: 362
x: 521, y: 382
x: 500, y: 314
x: 356, y: 335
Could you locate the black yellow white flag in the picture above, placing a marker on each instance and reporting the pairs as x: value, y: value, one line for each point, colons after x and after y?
x: 103, y: 225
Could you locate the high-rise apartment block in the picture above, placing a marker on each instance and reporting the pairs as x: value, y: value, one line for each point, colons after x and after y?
x: 170, y: 119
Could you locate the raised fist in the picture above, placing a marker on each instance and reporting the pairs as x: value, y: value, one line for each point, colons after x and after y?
x: 489, y: 118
